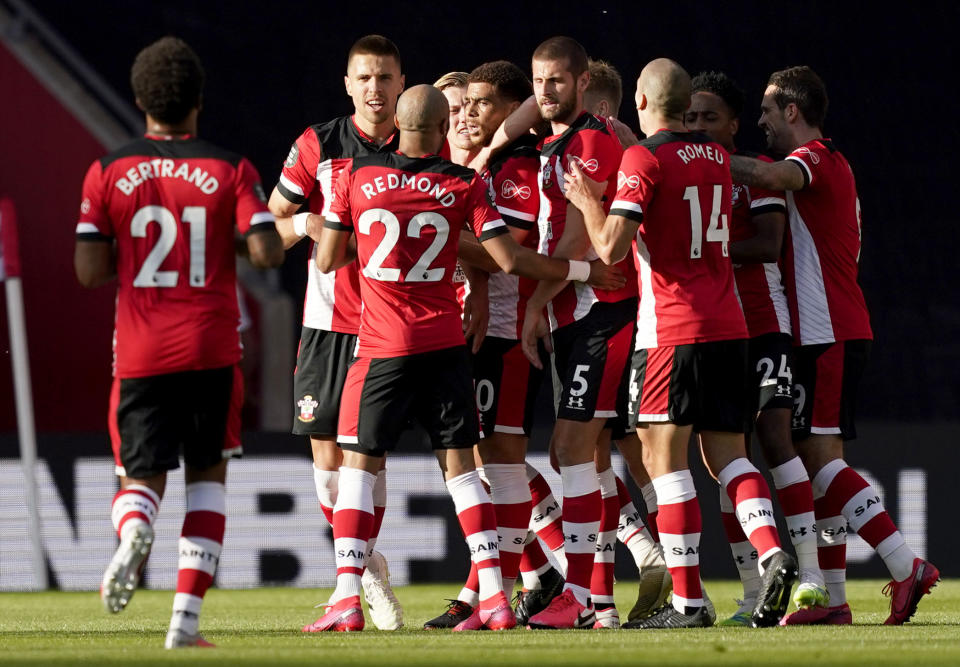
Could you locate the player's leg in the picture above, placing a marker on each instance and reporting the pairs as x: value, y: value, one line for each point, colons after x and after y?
x: 601, y: 581
x: 211, y: 402
x: 641, y: 539
x: 145, y: 445
x: 546, y: 515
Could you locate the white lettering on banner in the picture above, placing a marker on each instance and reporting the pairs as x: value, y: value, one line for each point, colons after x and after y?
x: 77, y: 556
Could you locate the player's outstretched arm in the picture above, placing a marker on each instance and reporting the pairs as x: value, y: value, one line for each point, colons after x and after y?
x: 782, y: 175
x: 95, y: 262
x: 265, y: 248
x: 333, y: 247
x: 470, y: 252
x: 476, y: 306
x: 765, y: 246
x: 611, y: 236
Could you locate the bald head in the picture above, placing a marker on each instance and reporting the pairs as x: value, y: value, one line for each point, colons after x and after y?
x: 421, y: 109
x: 666, y: 86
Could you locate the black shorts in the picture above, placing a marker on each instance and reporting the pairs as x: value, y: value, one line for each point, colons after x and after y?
x: 771, y: 356
x: 705, y: 385
x: 507, y: 385
x: 591, y: 356
x: 322, y: 362
x: 155, y: 418
x: 825, y: 380
x: 382, y: 396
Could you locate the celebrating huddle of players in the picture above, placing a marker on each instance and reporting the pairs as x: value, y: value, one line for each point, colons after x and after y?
x: 466, y: 236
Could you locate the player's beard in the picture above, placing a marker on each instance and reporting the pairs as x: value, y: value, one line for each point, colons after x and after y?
x: 561, y: 112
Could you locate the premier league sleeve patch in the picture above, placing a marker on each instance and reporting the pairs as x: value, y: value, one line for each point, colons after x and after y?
x: 291, y: 160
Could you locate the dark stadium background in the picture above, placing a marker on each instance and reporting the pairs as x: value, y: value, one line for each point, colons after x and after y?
x: 274, y: 68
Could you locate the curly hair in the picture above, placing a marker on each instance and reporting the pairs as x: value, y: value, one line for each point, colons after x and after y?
x: 722, y: 86
x: 801, y: 86
x: 507, y: 79
x: 167, y: 79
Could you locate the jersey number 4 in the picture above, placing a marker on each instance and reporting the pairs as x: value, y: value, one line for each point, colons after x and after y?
x: 717, y: 229
x: 150, y: 274
x: 421, y: 271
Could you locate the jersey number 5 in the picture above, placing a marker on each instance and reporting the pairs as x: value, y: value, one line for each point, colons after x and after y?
x: 150, y: 274
x: 717, y: 229
x: 421, y: 271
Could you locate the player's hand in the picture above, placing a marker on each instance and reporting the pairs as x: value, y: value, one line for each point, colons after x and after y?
x: 482, y: 159
x: 624, y: 133
x: 580, y: 189
x: 314, y: 226
x: 605, y: 277
x: 476, y: 315
x: 534, y: 328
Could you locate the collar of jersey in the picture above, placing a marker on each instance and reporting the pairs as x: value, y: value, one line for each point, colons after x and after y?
x: 168, y: 137
x: 368, y: 139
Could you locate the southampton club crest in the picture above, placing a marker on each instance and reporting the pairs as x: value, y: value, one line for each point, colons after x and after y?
x: 307, y: 405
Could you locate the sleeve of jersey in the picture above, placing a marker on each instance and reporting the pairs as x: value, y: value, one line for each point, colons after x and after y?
x: 636, y: 181
x: 340, y: 217
x: 299, y: 174
x: 806, y: 160
x: 482, y: 214
x: 94, y: 223
x: 766, y: 201
x: 515, y: 193
x: 252, y: 214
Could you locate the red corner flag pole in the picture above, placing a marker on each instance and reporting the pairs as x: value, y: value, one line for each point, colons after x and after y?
x: 10, y: 276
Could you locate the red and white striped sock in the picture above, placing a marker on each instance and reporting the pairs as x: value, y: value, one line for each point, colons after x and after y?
x: 649, y: 493
x: 751, y: 500
x: 133, y: 506
x: 679, y: 524
x: 470, y: 593
x: 201, y: 541
x: 631, y: 530
x: 831, y: 534
x: 379, y: 509
x: 533, y: 562
x: 546, y: 515
x: 352, y: 525
x: 867, y: 517
x: 479, y: 523
x: 744, y: 555
x: 582, y: 508
x: 795, y: 494
x: 326, y: 483
x: 601, y: 580
x: 511, y: 503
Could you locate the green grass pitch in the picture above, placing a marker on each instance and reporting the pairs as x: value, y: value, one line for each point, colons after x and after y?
x: 262, y: 627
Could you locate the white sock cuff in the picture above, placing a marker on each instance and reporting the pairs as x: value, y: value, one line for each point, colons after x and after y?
x: 380, y: 490
x: 579, y: 480
x: 482, y: 474
x: 532, y: 473
x: 508, y: 483
x: 649, y: 493
x: 734, y: 469
x: 726, y: 505
x: 206, y: 497
x: 789, y: 473
x: 608, y: 483
x: 355, y: 490
x: 145, y: 490
x: 467, y: 491
x: 675, y: 487
x: 826, y: 474
x: 327, y: 483
x: 187, y: 602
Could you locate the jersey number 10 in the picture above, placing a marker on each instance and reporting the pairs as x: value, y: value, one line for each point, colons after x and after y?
x: 717, y: 230
x: 150, y: 274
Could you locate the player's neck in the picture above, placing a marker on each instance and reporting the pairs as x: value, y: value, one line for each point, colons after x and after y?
x: 377, y: 132
x: 462, y: 156
x: 412, y: 144
x: 804, y: 134
x: 186, y: 127
x: 560, y: 126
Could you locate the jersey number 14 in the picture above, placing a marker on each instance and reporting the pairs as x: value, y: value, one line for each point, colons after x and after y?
x: 717, y: 230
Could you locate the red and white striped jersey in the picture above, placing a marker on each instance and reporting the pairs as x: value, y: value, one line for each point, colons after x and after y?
x: 173, y: 206
x: 759, y: 286
x: 822, y: 258
x: 332, y: 300
x: 512, y: 181
x: 677, y: 187
x: 596, y: 149
x: 407, y: 214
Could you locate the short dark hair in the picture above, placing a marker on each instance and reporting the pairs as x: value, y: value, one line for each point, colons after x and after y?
x: 722, y: 86
x: 167, y: 79
x: 559, y: 48
x: 375, y: 45
x: 801, y: 86
x: 508, y: 79
x: 605, y: 82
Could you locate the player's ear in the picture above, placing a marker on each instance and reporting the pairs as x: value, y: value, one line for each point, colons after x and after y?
x: 396, y: 122
x: 583, y: 81
x: 734, y: 126
x: 603, y: 109
x: 403, y: 82
x: 139, y: 104
x: 643, y: 102
x: 347, y: 84
x: 791, y: 112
